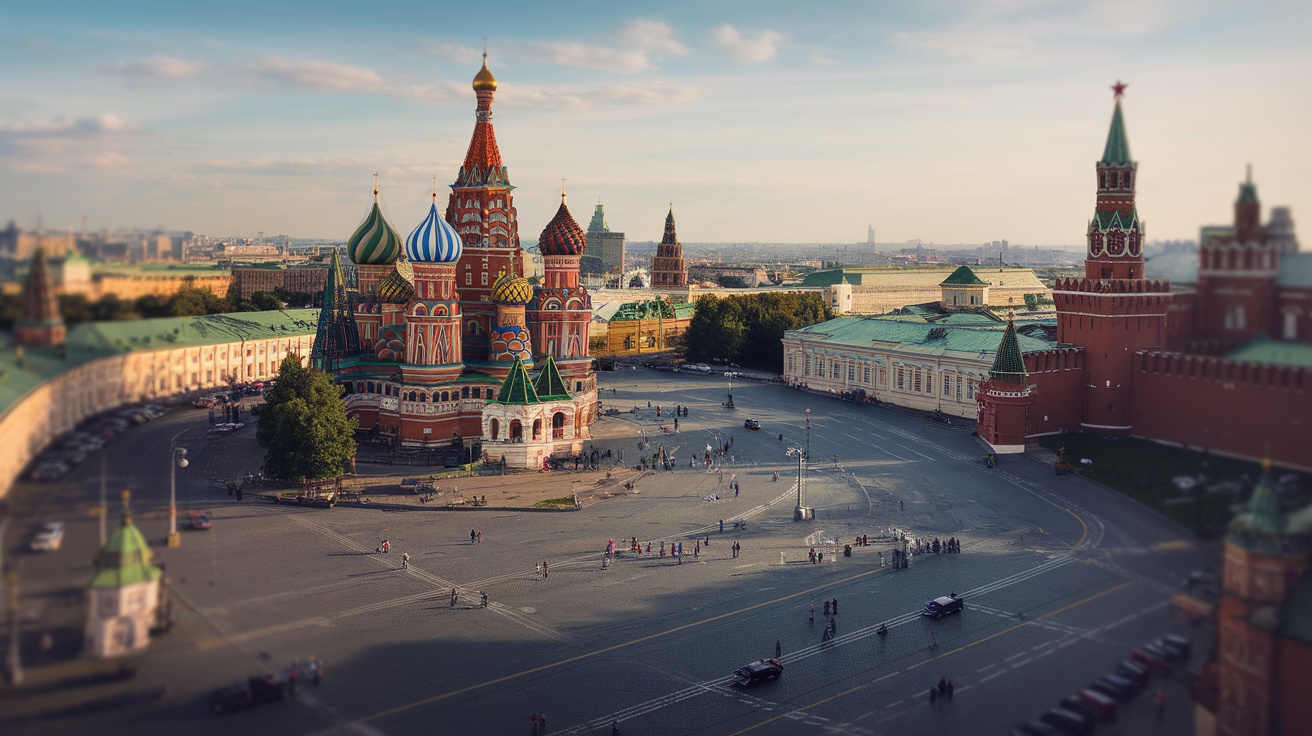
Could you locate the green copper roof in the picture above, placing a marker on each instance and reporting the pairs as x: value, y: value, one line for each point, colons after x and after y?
x: 517, y: 389
x: 1008, y: 364
x: 337, y: 335
x: 124, y: 560
x: 1117, y: 150
x: 1106, y: 220
x: 963, y: 276
x: 1261, y: 525
x: 1248, y: 190
x: 550, y: 386
x: 1274, y: 352
x: 598, y: 223
x: 374, y: 242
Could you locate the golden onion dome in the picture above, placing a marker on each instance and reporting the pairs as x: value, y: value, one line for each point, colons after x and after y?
x: 508, y: 289
x: 484, y: 79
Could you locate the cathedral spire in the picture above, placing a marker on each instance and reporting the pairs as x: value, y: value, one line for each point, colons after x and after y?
x: 337, y: 336
x: 1008, y: 364
x: 40, y: 323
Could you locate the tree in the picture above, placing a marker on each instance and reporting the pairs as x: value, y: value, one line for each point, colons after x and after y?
x: 265, y: 302
x: 749, y: 329
x: 303, y: 426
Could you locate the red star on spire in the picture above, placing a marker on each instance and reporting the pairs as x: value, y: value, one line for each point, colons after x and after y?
x: 1118, y: 90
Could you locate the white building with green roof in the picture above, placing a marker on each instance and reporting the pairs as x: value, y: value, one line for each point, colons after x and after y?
x: 123, y: 595
x: 47, y: 391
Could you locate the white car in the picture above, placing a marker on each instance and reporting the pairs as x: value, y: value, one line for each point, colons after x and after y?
x: 49, y: 538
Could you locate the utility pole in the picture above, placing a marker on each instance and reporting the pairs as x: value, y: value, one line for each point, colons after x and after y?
x: 103, y: 510
x: 177, y: 459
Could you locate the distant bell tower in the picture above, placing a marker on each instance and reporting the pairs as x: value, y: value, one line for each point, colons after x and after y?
x: 1113, y: 311
x: 40, y: 323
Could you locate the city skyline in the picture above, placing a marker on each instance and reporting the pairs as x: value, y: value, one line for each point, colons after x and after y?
x: 952, y: 124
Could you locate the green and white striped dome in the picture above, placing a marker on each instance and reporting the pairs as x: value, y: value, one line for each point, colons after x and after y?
x: 374, y: 242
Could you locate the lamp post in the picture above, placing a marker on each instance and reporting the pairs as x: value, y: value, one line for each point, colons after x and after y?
x: 177, y: 459
x: 802, y: 513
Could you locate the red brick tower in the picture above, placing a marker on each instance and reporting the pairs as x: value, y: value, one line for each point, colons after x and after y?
x: 482, y: 210
x: 1261, y: 666
x: 1113, y: 311
x: 561, y: 310
x: 667, y: 267
x: 41, y: 324
x: 1237, y: 275
x: 1005, y: 399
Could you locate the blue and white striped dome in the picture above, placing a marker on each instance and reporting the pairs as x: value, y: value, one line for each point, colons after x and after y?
x: 434, y: 241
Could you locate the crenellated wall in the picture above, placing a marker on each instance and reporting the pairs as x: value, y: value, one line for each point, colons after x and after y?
x: 1232, y: 408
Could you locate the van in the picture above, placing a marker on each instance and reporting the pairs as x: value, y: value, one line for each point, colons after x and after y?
x: 943, y: 605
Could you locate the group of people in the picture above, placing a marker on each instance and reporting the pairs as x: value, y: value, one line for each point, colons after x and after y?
x: 943, y: 690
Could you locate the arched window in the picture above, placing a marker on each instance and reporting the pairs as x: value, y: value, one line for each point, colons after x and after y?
x: 537, y: 429
x: 516, y: 431
x: 446, y: 396
x: 496, y: 430
x: 558, y: 426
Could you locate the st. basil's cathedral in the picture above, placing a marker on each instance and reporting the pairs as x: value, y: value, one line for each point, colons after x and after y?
x: 436, y: 342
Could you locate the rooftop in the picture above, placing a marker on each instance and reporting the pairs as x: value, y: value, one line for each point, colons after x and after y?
x: 93, y: 340
x: 1276, y: 353
x: 979, y: 339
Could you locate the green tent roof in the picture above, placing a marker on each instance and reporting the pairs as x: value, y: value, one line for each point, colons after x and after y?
x: 124, y: 560
x: 550, y: 386
x: 963, y: 276
x: 517, y: 389
x: 1008, y: 364
x: 1261, y: 525
x: 1117, y: 150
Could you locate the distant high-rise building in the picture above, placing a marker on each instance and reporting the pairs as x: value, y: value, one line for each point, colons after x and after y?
x: 1002, y: 252
x: 870, y: 234
x: 605, y: 253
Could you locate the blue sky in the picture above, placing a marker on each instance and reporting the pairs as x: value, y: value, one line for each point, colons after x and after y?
x: 762, y: 121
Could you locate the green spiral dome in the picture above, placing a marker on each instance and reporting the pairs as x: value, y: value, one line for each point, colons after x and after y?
x: 374, y: 243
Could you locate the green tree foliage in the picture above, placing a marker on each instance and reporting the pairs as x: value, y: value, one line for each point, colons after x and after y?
x: 263, y: 301
x: 303, y: 426
x: 749, y: 330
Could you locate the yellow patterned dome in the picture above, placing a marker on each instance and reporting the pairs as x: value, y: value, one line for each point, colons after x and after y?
x: 484, y: 79
x: 509, y: 289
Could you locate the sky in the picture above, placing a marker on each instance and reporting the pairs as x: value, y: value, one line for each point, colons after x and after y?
x: 950, y: 122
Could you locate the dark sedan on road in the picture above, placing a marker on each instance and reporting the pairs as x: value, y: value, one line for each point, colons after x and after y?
x: 752, y: 424
x: 253, y: 692
x: 758, y: 671
x: 943, y: 605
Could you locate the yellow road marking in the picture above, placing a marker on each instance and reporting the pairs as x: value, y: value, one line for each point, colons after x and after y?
x: 1083, y: 526
x: 1093, y: 597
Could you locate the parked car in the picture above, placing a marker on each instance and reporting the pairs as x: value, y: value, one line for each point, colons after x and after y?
x: 1134, y: 672
x: 943, y: 605
x: 752, y: 424
x: 49, y: 471
x: 49, y: 538
x: 253, y: 692
x: 1115, y: 687
x: 1179, y: 644
x: 200, y: 520
x: 1153, y: 660
x: 1069, y: 721
x: 758, y: 671
x: 1036, y: 728
x: 1103, y: 706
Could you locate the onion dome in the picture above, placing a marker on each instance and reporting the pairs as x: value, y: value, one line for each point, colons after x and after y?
x: 484, y: 79
x: 508, y: 289
x: 374, y: 243
x: 434, y: 241
x: 562, y: 236
x: 395, y: 289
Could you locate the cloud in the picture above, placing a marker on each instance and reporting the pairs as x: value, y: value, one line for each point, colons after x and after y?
x: 159, y: 67
x: 643, y: 43
x: 589, y: 97
x: 310, y: 74
x: 111, y: 160
x: 745, y: 48
x: 454, y: 52
x: 67, y: 127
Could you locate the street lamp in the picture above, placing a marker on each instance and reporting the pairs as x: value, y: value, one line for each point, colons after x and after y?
x: 802, y: 513
x: 177, y: 459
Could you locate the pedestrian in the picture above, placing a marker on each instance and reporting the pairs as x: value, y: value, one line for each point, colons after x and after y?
x: 533, y: 730
x: 778, y: 649
x: 812, y: 613
x: 902, y: 505
x: 942, y: 686
x: 545, y: 573
x: 405, y: 561
x: 826, y: 608
x: 316, y: 670
x: 820, y: 556
x: 722, y: 526
x: 881, y: 559
x: 662, y: 549
x: 542, y: 724
x: 835, y: 606
x: 454, y: 597
x: 480, y: 537
x: 473, y: 536
x: 537, y: 569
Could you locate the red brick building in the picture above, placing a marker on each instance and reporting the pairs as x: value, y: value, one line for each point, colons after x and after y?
x: 1225, y: 365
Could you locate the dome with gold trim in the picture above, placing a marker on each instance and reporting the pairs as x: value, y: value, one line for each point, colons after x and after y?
x: 508, y: 289
x: 374, y: 243
x: 397, y: 286
x: 484, y: 79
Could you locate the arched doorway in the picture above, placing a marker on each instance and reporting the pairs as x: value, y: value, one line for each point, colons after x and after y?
x: 537, y: 429
x: 558, y: 426
x: 496, y: 430
x: 516, y: 431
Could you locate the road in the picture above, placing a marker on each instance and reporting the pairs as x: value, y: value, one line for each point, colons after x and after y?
x: 1061, y: 579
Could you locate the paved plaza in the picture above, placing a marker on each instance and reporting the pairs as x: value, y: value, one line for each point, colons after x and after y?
x: 1061, y: 579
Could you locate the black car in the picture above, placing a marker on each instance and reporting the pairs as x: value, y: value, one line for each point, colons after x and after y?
x: 752, y: 424
x: 1069, y: 721
x: 943, y: 605
x: 1115, y: 687
x: 1178, y: 644
x: 1133, y: 672
x: 1036, y: 728
x: 758, y: 671
x: 253, y: 692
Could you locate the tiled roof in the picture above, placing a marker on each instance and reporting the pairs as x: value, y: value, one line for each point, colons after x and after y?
x: 1008, y: 365
x: 980, y: 340
x: 1117, y: 150
x: 549, y: 385
x: 562, y: 236
x: 93, y: 340
x: 963, y: 276
x: 1274, y: 352
x: 124, y: 560
x: 517, y: 389
x: 1107, y: 220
